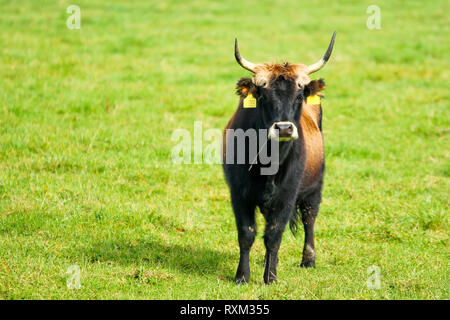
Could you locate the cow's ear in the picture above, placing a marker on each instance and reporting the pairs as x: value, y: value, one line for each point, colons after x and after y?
x: 244, y: 86
x: 314, y: 87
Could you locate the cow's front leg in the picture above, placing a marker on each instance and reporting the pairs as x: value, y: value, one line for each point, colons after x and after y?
x: 245, y: 221
x: 276, y: 223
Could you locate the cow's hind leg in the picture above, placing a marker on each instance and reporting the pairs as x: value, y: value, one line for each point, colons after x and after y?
x: 309, y: 208
x: 244, y: 213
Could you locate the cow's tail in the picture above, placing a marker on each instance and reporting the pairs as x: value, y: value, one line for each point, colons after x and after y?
x: 293, y: 222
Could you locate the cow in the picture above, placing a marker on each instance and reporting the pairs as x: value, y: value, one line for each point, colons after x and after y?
x: 279, y: 93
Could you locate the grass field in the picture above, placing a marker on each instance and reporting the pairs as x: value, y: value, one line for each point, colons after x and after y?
x: 87, y: 180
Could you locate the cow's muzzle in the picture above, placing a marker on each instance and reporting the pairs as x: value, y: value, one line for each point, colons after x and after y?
x: 283, y: 131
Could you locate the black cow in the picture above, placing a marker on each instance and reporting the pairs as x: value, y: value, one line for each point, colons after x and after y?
x: 279, y: 93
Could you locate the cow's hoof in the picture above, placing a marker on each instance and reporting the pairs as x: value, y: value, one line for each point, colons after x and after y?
x: 269, y: 279
x: 308, y: 264
x: 241, y: 280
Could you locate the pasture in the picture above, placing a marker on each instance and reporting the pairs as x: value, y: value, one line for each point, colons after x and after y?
x: 87, y: 180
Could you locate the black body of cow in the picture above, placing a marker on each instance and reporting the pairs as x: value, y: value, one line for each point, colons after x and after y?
x: 279, y: 196
x: 295, y: 189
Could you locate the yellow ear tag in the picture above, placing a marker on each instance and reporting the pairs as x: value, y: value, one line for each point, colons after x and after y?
x: 315, y: 99
x: 250, y: 101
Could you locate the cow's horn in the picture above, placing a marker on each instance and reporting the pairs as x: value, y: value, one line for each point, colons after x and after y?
x: 319, y: 64
x: 244, y: 63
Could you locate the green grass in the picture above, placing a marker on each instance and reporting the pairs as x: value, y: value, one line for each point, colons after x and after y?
x: 86, y: 176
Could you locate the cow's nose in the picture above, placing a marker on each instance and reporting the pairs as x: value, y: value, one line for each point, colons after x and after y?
x: 284, y: 129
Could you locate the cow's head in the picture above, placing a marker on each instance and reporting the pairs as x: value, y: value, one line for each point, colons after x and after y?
x: 280, y: 90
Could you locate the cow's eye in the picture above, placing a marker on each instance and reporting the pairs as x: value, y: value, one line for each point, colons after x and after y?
x: 259, y: 82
